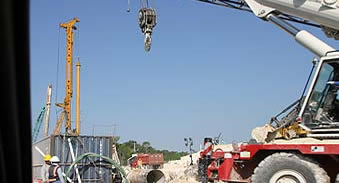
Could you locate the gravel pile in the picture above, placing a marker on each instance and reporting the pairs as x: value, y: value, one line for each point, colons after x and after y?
x: 180, y: 171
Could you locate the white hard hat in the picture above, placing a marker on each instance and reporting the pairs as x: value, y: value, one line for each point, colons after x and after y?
x: 55, y: 159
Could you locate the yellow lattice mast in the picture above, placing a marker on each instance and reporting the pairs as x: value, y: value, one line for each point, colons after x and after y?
x: 66, y: 113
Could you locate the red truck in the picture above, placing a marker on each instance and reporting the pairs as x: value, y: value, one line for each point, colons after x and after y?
x: 147, y: 161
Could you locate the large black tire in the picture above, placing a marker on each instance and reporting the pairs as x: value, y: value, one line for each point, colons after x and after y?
x: 289, y: 168
x: 202, y: 170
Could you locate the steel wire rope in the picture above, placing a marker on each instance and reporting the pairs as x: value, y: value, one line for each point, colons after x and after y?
x: 141, y: 3
x: 57, y: 76
x: 78, y: 35
x: 153, y: 4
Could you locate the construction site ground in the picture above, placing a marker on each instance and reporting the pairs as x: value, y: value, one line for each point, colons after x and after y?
x: 181, y: 171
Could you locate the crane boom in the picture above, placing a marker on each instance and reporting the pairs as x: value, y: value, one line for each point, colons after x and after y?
x: 278, y: 12
x: 319, y: 13
x: 322, y: 12
x: 37, y: 126
x: 43, y: 116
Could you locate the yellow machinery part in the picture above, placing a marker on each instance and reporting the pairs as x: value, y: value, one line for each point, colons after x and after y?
x: 69, y: 26
x: 292, y: 131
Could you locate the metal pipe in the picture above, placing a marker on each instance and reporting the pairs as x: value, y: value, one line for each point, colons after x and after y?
x: 77, y: 121
x: 303, y: 37
x: 73, y: 159
x: 68, y: 179
x: 48, y: 107
x: 312, y: 43
x: 283, y: 25
x: 146, y: 176
x: 39, y: 150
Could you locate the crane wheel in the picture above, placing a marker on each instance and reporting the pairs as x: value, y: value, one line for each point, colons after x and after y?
x: 202, y: 170
x: 289, y: 168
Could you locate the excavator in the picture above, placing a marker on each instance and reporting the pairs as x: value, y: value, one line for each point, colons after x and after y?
x: 301, y: 143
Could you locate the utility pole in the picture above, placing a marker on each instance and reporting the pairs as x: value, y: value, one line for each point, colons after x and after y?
x: 134, y: 147
x: 189, y: 143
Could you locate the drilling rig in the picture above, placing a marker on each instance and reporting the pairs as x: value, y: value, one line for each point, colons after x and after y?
x: 66, y: 105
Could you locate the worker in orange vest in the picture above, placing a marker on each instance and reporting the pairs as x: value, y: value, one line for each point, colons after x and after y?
x: 55, y: 173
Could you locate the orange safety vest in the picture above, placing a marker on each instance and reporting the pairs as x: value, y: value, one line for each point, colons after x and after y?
x: 52, y: 173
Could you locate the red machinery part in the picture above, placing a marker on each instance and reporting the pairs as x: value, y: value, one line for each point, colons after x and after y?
x: 148, y: 160
x: 208, y: 148
x: 223, y: 164
x: 325, y: 149
x: 221, y: 167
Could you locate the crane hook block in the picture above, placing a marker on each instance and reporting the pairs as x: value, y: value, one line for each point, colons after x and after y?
x: 147, y: 21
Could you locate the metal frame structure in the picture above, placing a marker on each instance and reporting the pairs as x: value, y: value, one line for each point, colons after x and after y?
x: 323, y: 14
x: 242, y: 5
x: 66, y: 105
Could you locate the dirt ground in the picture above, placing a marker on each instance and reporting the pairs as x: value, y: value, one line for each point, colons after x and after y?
x: 181, y: 171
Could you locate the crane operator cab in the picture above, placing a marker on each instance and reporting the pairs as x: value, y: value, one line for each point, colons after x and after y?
x: 320, y: 111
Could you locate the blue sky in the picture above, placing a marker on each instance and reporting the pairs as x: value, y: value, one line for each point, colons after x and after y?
x: 210, y: 69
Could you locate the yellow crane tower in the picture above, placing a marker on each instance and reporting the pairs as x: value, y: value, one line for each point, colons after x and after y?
x: 66, y: 105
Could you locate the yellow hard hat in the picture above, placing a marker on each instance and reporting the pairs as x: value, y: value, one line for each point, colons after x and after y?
x: 47, y: 157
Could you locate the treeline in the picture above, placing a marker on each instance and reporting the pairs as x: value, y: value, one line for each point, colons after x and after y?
x: 125, y: 150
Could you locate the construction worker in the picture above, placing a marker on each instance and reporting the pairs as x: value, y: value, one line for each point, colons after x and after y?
x: 45, y: 168
x: 54, y: 171
x: 116, y: 176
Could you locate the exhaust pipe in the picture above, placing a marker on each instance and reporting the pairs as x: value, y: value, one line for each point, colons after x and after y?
x: 146, y: 176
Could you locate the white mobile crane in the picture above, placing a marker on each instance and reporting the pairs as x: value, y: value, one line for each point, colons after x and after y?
x: 303, y: 145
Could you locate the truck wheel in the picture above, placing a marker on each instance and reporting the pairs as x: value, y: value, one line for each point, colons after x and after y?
x: 202, y: 170
x: 288, y: 168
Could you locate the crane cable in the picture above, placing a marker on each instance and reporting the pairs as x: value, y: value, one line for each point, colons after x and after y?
x: 146, y: 3
x: 141, y: 4
x: 78, y: 41
x: 57, y: 76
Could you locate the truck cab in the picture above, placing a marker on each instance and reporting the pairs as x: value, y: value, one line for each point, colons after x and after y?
x: 132, y: 161
x: 310, y: 156
x: 320, y: 111
x: 146, y: 161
